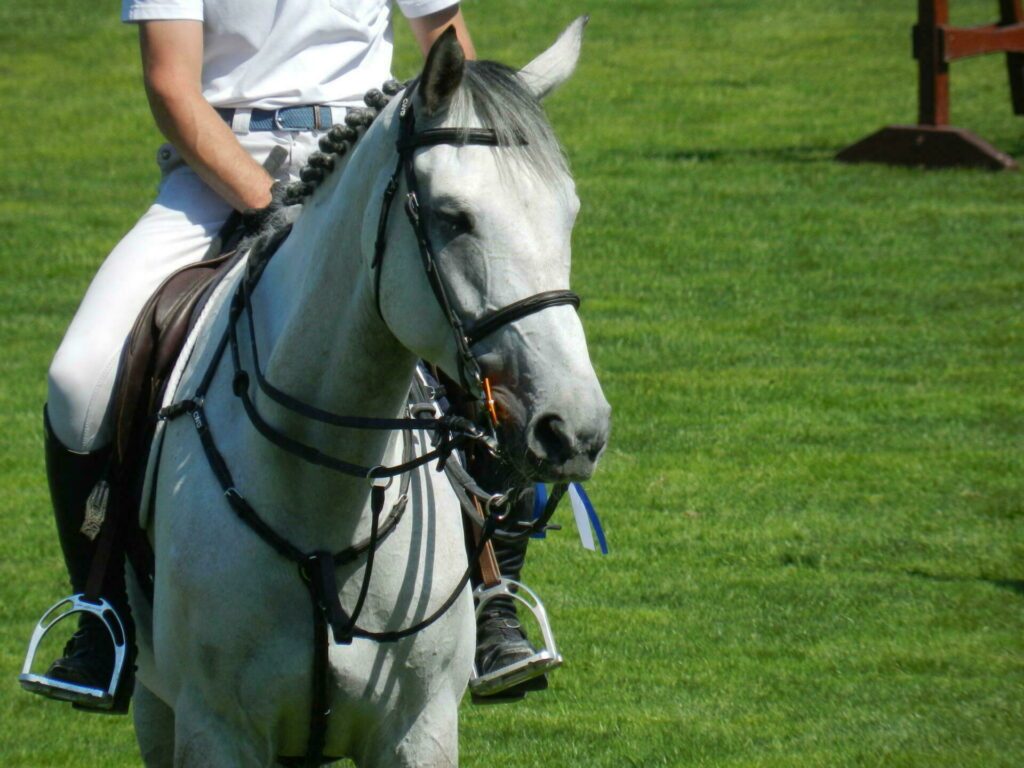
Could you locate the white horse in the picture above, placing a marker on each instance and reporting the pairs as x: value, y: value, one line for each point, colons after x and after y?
x: 225, y: 655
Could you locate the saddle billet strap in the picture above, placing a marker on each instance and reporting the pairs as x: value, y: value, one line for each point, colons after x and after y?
x: 490, y: 571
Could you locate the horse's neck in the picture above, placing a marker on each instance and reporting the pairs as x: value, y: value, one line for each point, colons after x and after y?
x: 321, y: 341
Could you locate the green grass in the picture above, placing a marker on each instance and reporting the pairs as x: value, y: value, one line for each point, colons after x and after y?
x: 815, y: 486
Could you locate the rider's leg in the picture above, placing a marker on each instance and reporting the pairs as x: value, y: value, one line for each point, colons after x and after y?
x: 501, y: 641
x: 175, y: 231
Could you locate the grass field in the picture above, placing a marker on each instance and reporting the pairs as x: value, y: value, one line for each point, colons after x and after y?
x: 814, y: 491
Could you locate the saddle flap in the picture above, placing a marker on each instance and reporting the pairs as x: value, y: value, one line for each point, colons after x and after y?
x: 149, y: 354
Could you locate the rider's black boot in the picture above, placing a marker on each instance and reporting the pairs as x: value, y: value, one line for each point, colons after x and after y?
x: 501, y: 641
x: 88, y: 658
x: 502, y: 647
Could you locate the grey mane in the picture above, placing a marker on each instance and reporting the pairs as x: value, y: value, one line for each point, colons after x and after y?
x: 495, y: 96
x: 491, y: 95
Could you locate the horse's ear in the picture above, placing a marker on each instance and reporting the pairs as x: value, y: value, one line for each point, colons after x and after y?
x: 442, y: 73
x: 556, y: 64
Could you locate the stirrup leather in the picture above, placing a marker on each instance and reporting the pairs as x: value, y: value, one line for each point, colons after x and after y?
x: 544, y: 660
x: 92, y: 698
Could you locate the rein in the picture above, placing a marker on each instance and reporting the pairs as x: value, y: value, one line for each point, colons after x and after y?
x: 317, y: 569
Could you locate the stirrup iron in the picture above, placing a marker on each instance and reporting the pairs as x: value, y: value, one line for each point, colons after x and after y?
x: 544, y: 660
x: 85, y: 696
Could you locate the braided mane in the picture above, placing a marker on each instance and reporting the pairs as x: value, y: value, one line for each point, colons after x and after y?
x: 491, y: 92
x: 265, y: 227
x: 338, y: 141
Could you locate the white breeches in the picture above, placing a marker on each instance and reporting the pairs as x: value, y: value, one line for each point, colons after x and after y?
x: 175, y: 231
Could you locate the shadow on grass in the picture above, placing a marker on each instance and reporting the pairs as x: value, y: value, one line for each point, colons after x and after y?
x: 808, y: 154
x: 1013, y: 585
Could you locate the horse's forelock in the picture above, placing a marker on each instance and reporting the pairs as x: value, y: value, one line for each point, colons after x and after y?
x: 496, y: 97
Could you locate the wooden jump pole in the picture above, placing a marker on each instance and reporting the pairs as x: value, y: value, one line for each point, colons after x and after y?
x: 933, y: 142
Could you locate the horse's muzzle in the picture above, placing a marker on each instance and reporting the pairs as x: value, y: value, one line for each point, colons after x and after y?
x: 566, y: 448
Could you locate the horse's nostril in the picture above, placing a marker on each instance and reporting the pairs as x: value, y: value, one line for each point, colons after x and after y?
x: 551, y: 439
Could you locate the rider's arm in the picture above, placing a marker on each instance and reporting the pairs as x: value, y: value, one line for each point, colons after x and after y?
x: 428, y: 28
x: 172, y: 62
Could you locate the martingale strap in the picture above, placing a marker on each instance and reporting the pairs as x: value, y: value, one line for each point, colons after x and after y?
x: 240, y: 385
x: 243, y: 299
x: 318, y: 569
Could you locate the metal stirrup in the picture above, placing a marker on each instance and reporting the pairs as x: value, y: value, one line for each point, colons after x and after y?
x: 93, y: 698
x: 544, y: 660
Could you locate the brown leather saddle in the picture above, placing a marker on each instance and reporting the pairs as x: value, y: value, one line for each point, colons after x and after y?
x: 150, y: 353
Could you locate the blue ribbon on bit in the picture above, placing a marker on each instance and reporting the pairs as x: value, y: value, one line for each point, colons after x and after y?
x: 586, y: 518
x: 583, y: 512
x: 540, y: 501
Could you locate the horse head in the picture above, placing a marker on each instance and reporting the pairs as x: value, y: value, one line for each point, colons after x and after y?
x: 497, y: 218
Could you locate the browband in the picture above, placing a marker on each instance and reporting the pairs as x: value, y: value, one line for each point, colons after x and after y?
x: 431, y: 137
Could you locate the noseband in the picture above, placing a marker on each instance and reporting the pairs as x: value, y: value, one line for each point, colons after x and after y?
x: 466, y: 335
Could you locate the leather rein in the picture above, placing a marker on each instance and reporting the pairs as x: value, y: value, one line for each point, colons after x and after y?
x: 317, y: 569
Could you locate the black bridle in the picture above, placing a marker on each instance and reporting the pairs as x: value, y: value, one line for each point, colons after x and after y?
x: 318, y: 569
x: 409, y: 140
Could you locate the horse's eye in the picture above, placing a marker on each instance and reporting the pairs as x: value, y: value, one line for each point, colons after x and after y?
x: 456, y: 222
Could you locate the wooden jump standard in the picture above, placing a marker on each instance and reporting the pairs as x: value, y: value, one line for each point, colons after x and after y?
x: 934, y: 143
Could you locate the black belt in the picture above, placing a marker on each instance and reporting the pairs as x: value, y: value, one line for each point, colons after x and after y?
x: 305, y: 118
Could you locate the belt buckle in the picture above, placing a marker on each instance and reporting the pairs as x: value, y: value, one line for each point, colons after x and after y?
x: 279, y: 126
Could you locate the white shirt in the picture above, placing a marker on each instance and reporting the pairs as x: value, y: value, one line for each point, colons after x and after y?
x: 281, y: 53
